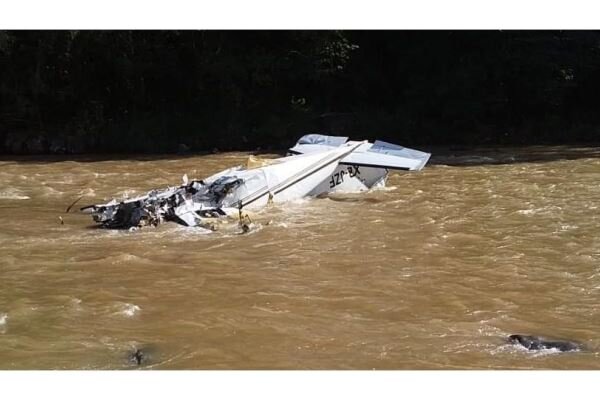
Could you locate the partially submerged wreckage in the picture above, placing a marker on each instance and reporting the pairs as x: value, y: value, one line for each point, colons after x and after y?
x: 317, y: 164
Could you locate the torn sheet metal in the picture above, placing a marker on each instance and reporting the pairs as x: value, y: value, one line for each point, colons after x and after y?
x: 325, y: 166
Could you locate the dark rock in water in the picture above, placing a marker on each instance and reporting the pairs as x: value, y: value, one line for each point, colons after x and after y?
x: 145, y: 355
x: 137, y: 357
x: 538, y: 343
x: 245, y: 228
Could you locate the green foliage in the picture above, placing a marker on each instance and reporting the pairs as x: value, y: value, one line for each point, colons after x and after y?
x: 153, y: 90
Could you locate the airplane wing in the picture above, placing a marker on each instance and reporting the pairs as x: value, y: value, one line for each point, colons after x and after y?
x: 387, y: 155
x: 377, y: 155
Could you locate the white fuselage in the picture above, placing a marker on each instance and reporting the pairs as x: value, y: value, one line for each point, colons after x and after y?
x: 322, y: 164
x: 352, y: 178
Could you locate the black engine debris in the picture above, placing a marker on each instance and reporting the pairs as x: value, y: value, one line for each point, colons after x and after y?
x: 186, y: 204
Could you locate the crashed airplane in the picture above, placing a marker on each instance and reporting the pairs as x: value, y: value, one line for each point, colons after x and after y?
x: 316, y: 165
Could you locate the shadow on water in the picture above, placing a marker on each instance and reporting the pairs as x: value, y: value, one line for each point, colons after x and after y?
x: 510, y: 155
x: 449, y: 155
x: 91, y: 158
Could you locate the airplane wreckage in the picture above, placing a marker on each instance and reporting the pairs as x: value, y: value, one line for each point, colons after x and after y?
x: 316, y: 165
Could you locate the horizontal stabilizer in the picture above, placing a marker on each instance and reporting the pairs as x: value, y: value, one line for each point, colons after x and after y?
x: 387, y: 155
x: 377, y: 155
x: 315, y: 142
x: 380, y: 161
x: 414, y: 160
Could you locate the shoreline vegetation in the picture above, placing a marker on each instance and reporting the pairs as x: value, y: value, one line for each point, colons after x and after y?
x: 191, y: 92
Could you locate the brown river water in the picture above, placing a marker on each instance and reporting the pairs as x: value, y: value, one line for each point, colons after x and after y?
x: 431, y: 273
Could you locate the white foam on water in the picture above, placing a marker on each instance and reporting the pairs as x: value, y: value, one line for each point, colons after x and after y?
x: 526, y: 212
x: 125, y: 258
x: 48, y: 191
x: 388, y: 189
x: 76, y: 303
x: 87, y: 192
x: 234, y: 231
x: 13, y: 194
x: 129, y: 310
x: 270, y: 310
x: 567, y: 227
x: 518, y: 349
x: 299, y: 201
x: 127, y: 193
x: 194, y: 231
x: 3, y: 322
x: 544, y: 352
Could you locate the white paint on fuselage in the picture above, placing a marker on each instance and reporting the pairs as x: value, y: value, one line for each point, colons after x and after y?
x: 351, y: 178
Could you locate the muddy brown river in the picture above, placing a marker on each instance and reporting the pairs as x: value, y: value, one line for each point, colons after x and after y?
x: 431, y: 273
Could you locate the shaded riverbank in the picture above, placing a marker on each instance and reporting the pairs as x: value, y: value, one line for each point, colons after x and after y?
x: 71, y: 92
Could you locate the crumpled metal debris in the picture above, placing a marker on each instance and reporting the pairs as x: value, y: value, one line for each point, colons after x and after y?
x: 187, y: 204
x: 319, y: 166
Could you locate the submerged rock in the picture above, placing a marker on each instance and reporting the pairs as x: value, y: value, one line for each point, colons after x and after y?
x: 144, y: 355
x: 137, y: 357
x: 533, y: 343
